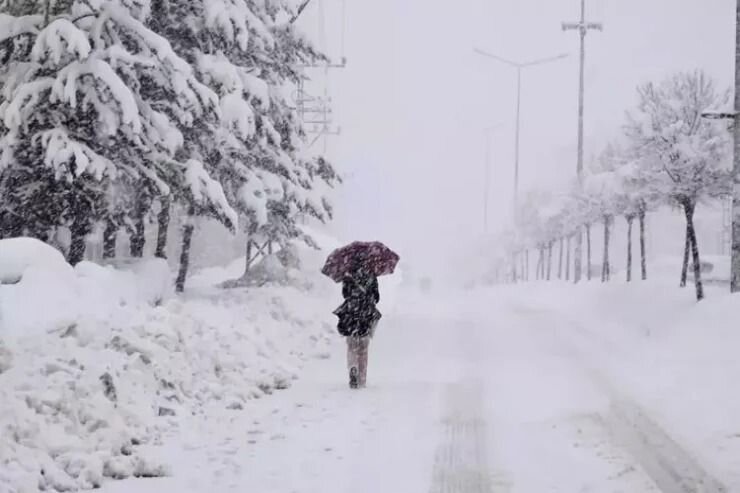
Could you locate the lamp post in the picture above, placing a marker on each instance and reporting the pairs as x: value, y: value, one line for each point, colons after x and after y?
x: 519, y: 66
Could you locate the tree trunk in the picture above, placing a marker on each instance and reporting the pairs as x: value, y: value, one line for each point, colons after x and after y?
x: 248, y: 263
x: 643, y: 253
x: 567, y: 260
x: 138, y: 238
x: 560, y: 260
x: 542, y: 263
x: 163, y: 224
x: 110, y: 234
x: 549, y: 260
x: 689, y: 209
x: 526, y: 265
x: 630, y: 220
x: 513, y: 268
x: 588, y: 252
x: 187, y: 238
x: 686, y: 249
x: 578, y: 256
x: 522, y: 264
x: 79, y: 230
x: 605, y: 268
x: 537, y: 275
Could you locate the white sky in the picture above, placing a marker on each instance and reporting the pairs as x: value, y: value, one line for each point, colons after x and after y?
x: 414, y: 101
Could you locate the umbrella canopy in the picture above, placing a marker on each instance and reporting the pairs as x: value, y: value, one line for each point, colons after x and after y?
x: 374, y: 256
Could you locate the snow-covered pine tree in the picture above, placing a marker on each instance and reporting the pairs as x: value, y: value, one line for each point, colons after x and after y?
x: 687, y: 156
x: 92, y: 105
x: 250, y: 55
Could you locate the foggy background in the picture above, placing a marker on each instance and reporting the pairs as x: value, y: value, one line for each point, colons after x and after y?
x: 414, y: 100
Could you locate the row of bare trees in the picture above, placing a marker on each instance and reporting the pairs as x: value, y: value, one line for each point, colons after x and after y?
x: 667, y: 155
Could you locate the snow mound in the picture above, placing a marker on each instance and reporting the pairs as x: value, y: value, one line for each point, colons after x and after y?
x: 92, y: 384
x: 19, y: 254
x: 69, y: 295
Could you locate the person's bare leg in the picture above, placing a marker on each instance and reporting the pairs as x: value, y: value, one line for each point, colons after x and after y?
x: 364, y: 344
x: 350, y: 353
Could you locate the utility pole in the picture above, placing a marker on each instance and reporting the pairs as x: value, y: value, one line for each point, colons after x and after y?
x: 734, y: 115
x: 735, y: 275
x: 518, y: 66
x: 583, y: 27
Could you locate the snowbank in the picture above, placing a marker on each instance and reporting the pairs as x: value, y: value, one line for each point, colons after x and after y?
x: 676, y: 357
x: 19, y: 254
x: 98, y: 365
x: 50, y: 297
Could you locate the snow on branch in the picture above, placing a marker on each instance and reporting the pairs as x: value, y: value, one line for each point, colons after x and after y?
x: 230, y: 19
x: 208, y: 192
x: 59, y: 38
x: 11, y: 26
x: 24, y: 101
x: 71, y: 159
x: 218, y: 71
x: 178, y: 72
x: 253, y: 199
x: 237, y: 114
x: 69, y: 82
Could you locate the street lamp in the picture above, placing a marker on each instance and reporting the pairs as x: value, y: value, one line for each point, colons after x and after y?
x: 519, y: 66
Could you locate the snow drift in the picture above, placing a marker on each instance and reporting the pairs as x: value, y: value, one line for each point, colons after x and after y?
x: 98, y: 364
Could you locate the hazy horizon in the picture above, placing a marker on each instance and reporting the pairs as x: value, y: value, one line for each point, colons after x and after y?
x: 414, y: 100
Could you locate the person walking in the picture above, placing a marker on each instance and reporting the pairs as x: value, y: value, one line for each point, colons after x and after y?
x: 358, y: 317
x: 357, y: 266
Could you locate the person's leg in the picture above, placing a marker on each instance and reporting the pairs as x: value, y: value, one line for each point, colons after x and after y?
x: 362, y: 357
x: 353, y: 360
x: 350, y: 353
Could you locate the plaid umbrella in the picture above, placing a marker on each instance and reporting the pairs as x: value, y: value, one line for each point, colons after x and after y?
x: 374, y: 256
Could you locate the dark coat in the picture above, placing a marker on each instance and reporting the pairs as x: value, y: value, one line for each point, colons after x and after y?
x: 358, y: 315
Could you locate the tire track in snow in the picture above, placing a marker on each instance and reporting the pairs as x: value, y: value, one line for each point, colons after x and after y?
x: 672, y: 467
x: 461, y: 462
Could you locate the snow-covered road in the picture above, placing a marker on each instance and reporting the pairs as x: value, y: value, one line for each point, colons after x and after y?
x: 475, y: 396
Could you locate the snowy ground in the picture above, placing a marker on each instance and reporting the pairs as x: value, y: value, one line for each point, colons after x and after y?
x: 543, y: 387
x: 539, y: 388
x: 99, y: 366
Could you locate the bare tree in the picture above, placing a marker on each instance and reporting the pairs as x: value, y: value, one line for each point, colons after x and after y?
x: 684, y: 153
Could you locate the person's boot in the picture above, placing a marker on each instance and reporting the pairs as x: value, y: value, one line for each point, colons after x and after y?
x: 354, y: 377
